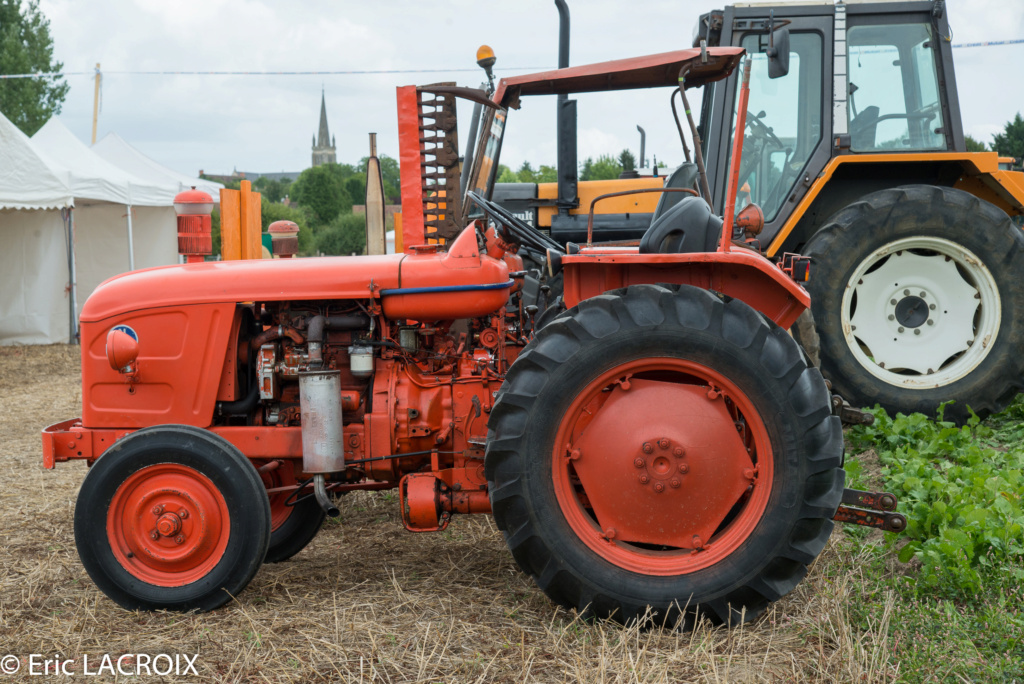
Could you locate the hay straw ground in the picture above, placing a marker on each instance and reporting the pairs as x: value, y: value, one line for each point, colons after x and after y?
x: 367, y: 601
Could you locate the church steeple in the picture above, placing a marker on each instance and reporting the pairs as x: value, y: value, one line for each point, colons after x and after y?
x: 323, y: 146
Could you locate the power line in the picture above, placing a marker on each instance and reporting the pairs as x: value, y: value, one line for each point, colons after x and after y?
x: 363, y: 72
x: 263, y: 73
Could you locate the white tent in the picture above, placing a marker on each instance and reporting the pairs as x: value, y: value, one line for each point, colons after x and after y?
x: 35, y: 226
x: 118, y: 152
x: 121, y: 222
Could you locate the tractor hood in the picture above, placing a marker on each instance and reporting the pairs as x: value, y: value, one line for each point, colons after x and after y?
x: 262, y: 280
x: 461, y: 282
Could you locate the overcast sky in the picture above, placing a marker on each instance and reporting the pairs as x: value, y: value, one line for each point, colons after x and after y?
x: 266, y: 123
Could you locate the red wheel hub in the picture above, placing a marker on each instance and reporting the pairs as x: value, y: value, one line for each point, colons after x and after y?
x: 662, y: 466
x: 168, y: 525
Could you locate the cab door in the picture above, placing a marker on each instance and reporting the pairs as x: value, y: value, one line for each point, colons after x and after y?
x: 787, y: 141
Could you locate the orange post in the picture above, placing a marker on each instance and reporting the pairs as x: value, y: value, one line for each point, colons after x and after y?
x: 230, y: 226
x: 737, y: 155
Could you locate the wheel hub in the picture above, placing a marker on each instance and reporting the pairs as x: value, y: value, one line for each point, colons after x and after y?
x: 679, y: 447
x: 912, y: 311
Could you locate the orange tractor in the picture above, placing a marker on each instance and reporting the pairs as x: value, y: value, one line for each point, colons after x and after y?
x: 661, y: 444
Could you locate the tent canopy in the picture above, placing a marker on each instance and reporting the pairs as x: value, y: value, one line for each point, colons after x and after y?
x: 27, y: 180
x: 91, y: 177
x: 118, y: 152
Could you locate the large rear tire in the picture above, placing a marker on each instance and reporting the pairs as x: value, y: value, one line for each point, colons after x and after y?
x: 918, y: 299
x: 664, y: 448
x: 172, y: 517
x: 292, y: 525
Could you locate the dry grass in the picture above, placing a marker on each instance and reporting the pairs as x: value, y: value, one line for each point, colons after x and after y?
x: 367, y: 601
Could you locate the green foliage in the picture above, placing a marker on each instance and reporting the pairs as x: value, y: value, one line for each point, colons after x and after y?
x: 604, y: 168
x: 973, y: 145
x: 527, y: 174
x: 961, y: 489
x: 345, y: 235
x: 272, y: 190
x: 1010, y: 143
x: 506, y: 175
x: 627, y: 161
x: 321, y: 190
x: 26, y: 47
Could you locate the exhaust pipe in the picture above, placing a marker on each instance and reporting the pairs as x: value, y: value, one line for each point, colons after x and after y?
x: 323, y: 446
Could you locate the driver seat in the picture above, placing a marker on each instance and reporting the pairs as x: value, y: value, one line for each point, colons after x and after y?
x: 685, y: 176
x: 690, y: 226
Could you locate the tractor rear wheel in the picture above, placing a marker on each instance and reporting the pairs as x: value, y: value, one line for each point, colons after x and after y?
x: 668, y: 448
x: 292, y: 525
x: 172, y: 517
x: 917, y: 296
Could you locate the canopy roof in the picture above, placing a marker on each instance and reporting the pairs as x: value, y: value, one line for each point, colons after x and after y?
x: 121, y: 154
x: 650, y: 71
x: 91, y: 177
x: 27, y: 181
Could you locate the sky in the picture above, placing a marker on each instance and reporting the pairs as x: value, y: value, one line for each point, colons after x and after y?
x: 266, y: 123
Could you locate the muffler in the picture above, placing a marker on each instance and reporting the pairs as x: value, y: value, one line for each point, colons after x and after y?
x: 323, y: 443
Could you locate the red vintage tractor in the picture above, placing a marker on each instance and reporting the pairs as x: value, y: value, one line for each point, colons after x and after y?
x: 660, y: 443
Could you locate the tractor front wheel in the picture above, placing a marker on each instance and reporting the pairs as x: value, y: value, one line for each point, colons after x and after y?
x: 172, y: 517
x: 917, y: 296
x: 664, y: 448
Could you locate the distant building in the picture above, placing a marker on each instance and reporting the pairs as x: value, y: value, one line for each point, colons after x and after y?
x: 323, y: 144
x: 323, y: 153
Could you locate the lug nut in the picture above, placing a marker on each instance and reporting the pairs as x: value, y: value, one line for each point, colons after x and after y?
x: 180, y: 539
x: 924, y: 294
x: 182, y: 513
x: 659, y: 487
x: 609, y: 533
x: 639, y: 462
x: 931, y: 306
x: 154, y: 535
x: 644, y: 479
x: 663, y: 443
x: 575, y: 454
x: 679, y: 452
x: 931, y: 322
x: 892, y: 301
x: 648, y: 448
x: 158, y: 509
x: 683, y: 468
x: 697, y: 543
x: 901, y: 328
x: 891, y: 317
x: 674, y: 483
x: 748, y: 473
x: 917, y: 331
x: 906, y: 293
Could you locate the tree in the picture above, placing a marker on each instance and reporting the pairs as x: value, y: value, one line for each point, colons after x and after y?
x: 25, y: 48
x: 345, y: 235
x: 627, y: 161
x: 321, y: 189
x: 605, y: 168
x: 275, y: 211
x: 526, y: 174
x: 547, y: 174
x: 1010, y: 143
x: 506, y: 175
x: 973, y: 145
x: 272, y: 190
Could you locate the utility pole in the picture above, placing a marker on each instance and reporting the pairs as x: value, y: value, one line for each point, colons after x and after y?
x: 96, y: 103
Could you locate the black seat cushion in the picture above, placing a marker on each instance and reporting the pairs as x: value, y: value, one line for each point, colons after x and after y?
x: 683, y: 177
x: 689, y: 226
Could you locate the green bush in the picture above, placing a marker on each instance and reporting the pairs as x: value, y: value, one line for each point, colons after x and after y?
x: 345, y: 235
x: 961, y: 489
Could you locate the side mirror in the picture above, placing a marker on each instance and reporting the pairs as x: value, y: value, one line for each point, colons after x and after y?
x: 778, y: 53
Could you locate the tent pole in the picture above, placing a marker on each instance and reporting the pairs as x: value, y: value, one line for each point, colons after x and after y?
x: 73, y: 289
x: 131, y: 248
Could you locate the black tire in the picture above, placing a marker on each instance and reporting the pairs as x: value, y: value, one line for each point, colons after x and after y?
x: 806, y: 334
x: 695, y: 325
x: 191, y: 450
x: 985, y: 378
x: 294, y: 533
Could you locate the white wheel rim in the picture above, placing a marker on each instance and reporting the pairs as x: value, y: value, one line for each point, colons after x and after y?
x: 921, y: 312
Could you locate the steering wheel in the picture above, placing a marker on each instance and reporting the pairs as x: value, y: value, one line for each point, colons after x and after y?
x: 521, y: 232
x: 761, y: 130
x: 909, y: 116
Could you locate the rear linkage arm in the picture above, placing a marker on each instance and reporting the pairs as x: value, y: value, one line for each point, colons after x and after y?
x: 878, y: 510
